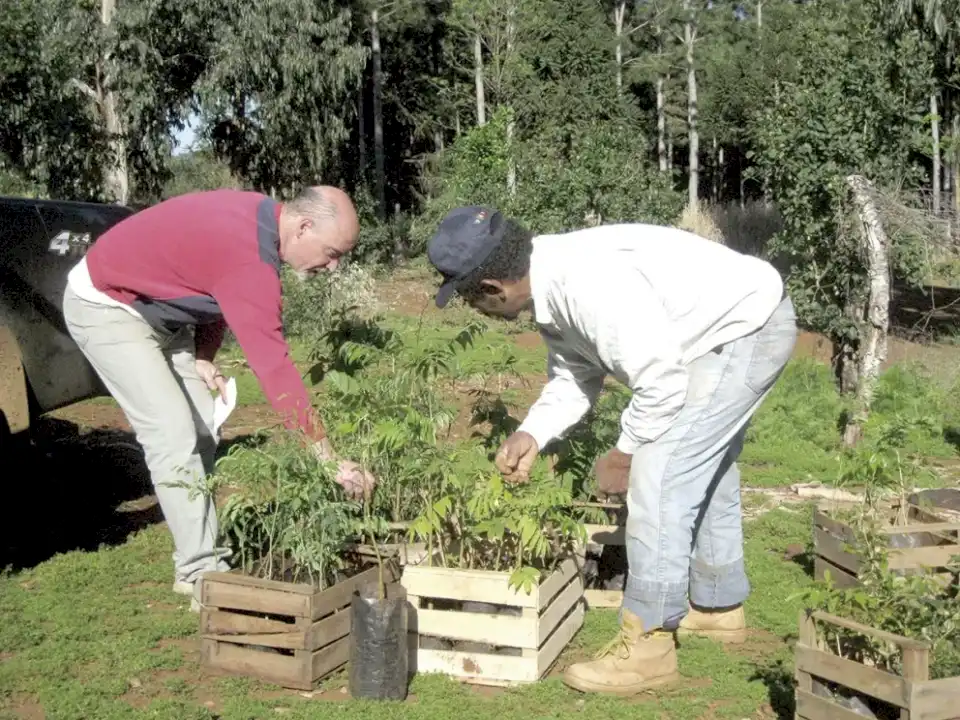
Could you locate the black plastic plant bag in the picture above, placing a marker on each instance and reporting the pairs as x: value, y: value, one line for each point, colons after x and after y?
x: 379, y: 660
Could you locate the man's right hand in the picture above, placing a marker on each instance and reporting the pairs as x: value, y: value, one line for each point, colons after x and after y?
x: 516, y: 456
x: 351, y: 476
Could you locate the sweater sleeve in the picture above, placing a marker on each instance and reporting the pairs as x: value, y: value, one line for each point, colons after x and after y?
x: 572, y: 388
x: 251, y: 303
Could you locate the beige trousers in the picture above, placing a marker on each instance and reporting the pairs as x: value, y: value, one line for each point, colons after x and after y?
x: 153, y: 377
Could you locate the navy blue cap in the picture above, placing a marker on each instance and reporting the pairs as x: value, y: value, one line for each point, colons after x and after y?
x: 465, y: 239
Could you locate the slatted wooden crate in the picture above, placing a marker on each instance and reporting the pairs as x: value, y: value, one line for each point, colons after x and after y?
x: 834, y: 545
x: 531, y: 631
x: 916, y: 696
x: 290, y: 634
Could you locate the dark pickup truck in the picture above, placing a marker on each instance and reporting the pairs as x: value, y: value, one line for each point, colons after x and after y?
x: 41, y: 368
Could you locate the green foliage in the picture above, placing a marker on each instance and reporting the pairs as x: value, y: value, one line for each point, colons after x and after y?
x: 476, y: 521
x: 284, y: 516
x: 917, y: 606
x: 278, y: 98
x: 851, y: 107
x: 311, y: 307
x: 593, y: 436
x: 599, y: 172
x: 387, y: 398
x: 196, y: 171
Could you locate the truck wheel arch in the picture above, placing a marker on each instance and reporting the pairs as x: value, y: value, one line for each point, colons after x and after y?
x: 14, y: 392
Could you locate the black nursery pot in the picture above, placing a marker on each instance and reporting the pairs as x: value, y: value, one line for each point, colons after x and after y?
x: 379, y: 659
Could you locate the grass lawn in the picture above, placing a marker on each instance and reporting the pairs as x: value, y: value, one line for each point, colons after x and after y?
x: 100, y: 635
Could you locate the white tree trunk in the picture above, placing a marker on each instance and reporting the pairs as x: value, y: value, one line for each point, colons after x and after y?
x: 689, y: 37
x: 378, y: 151
x: 362, y: 132
x: 512, y: 161
x: 661, y: 125
x: 955, y: 165
x: 478, y: 79
x: 935, y: 131
x: 873, y: 337
x: 619, y: 13
x: 116, y: 178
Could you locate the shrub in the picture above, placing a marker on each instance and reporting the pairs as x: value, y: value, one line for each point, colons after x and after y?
x: 310, y: 307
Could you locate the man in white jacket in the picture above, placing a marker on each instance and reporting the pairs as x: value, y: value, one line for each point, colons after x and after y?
x: 699, y: 333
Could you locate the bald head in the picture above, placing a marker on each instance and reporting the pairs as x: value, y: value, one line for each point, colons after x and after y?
x: 317, y: 228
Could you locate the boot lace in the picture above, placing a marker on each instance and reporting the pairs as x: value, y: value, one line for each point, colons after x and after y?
x: 619, y: 646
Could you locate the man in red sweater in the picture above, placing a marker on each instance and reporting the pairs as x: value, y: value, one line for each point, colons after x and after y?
x: 148, y: 306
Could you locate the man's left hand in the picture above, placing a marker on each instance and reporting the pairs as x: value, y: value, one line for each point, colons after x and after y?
x: 210, y: 374
x: 613, y: 472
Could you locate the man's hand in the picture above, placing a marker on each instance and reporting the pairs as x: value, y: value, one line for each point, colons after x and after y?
x: 613, y: 472
x: 516, y: 456
x: 357, y: 482
x: 209, y: 373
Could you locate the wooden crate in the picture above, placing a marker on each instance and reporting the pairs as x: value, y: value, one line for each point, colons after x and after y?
x: 290, y: 634
x: 834, y: 546
x: 538, y: 628
x: 917, y: 697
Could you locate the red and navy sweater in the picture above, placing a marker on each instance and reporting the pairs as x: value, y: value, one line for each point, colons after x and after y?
x: 211, y: 260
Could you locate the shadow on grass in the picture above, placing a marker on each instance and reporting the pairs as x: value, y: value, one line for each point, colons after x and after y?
x: 803, y: 558
x: 69, y: 490
x: 778, y: 679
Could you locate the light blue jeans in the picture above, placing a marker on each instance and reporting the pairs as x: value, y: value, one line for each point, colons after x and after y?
x: 684, y: 531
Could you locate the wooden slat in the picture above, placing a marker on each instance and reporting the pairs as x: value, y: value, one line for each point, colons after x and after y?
x: 478, y: 627
x: 325, y: 660
x: 558, y: 641
x: 283, y: 670
x: 480, y: 668
x: 937, y: 556
x: 281, y: 641
x: 833, y: 527
x: 841, y: 578
x: 833, y: 550
x: 814, y: 707
x: 220, y: 622
x: 597, y: 598
x: 233, y: 596
x: 935, y: 699
x: 331, y: 628
x: 918, y: 527
x: 555, y: 582
x: 876, y: 683
x: 338, y: 596
x: 903, y: 642
x: 454, y: 584
x: 551, y: 617
x: 236, y: 577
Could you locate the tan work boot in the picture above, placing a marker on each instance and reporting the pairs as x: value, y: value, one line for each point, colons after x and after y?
x: 728, y: 626
x: 633, y: 662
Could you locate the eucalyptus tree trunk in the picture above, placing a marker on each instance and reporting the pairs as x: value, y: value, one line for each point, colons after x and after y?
x: 116, y: 178
x: 512, y: 161
x: 689, y: 37
x: 478, y: 79
x: 378, y: 151
x: 619, y: 13
x: 935, y: 131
